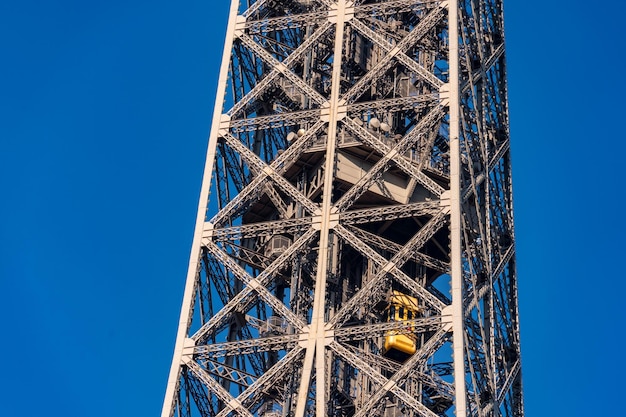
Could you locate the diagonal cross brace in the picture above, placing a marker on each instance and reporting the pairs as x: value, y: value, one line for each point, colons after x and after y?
x: 268, y: 379
x: 217, y: 389
x: 393, y: 384
x: 386, y: 384
x: 392, y: 267
x: 392, y: 51
x: 277, y: 166
x: 390, y: 155
x: 276, y: 71
x: 285, y: 71
x: 243, y: 299
x: 364, y: 83
x: 260, y: 167
x: 230, y: 264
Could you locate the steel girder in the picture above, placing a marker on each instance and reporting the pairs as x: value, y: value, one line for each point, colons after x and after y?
x: 357, y: 148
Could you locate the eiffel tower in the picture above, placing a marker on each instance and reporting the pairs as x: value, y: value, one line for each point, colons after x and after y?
x: 354, y: 250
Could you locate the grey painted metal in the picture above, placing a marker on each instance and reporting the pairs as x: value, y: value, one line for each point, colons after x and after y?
x: 357, y: 148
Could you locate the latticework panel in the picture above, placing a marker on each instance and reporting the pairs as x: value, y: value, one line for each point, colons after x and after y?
x: 358, y: 172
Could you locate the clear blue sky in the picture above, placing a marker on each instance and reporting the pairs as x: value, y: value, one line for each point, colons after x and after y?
x: 105, y: 107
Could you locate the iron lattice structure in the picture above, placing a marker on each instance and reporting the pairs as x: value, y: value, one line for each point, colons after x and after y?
x: 358, y: 149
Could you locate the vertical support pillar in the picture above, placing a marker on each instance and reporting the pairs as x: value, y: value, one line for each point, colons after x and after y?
x: 316, y: 345
x: 458, y: 326
x: 194, y: 258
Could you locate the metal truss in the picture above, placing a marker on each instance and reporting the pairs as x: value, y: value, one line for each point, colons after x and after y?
x: 358, y: 149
